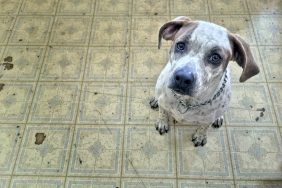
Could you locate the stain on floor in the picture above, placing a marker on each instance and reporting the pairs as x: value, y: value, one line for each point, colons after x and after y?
x: 39, y: 138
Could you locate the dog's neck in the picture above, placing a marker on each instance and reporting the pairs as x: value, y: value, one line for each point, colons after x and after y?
x: 184, y: 105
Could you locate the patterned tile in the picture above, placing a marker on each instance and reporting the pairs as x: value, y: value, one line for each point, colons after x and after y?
x: 79, y: 7
x: 64, y: 63
x: 107, y: 64
x: 15, y: 100
x: 102, y: 103
x: 10, y: 136
x: 250, y: 105
x: 151, y: 7
x: 113, y: 7
x: 10, y: 6
x: 239, y: 24
x: 92, y: 183
x: 265, y: 6
x: 258, y: 184
x: 205, y: 184
x: 6, y: 25
x: 71, y: 30
x: 31, y: 30
x: 211, y: 161
x: 144, y: 31
x: 191, y: 7
x: 147, y: 153
x: 39, y: 7
x: 110, y: 31
x: 227, y: 7
x: 55, y: 103
x: 44, y: 150
x: 97, y: 151
x: 272, y: 61
x: 26, y: 62
x: 147, y: 63
x: 4, y: 181
x: 256, y: 152
x: 268, y: 29
x: 35, y: 182
x: 149, y: 183
x: 138, y: 108
x: 276, y: 94
x: 236, y: 70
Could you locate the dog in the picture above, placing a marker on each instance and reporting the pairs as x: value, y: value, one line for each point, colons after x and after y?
x: 194, y: 86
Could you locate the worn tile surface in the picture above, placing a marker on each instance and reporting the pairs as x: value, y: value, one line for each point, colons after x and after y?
x: 76, y: 77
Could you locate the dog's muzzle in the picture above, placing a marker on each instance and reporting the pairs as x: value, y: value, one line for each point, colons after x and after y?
x: 183, y: 81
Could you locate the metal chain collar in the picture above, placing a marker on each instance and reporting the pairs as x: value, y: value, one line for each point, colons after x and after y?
x: 187, y: 106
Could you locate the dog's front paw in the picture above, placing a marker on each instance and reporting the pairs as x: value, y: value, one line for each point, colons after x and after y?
x: 154, y: 103
x: 199, y: 139
x: 218, y: 123
x: 162, y: 127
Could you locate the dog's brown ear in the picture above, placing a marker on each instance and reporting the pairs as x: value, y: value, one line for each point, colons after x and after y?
x: 243, y: 56
x: 169, y: 29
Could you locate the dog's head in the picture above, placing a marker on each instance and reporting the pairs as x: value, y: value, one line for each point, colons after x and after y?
x: 200, y: 54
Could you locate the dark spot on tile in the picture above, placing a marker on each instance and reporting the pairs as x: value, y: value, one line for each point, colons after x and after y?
x: 261, y: 114
x: 18, y: 134
x: 95, y: 93
x: 39, y: 138
x: 50, y: 46
x: 8, y: 66
x: 80, y: 161
x: 18, y: 126
x: 273, y: 77
x: 63, y: 33
x: 8, y: 59
x: 258, y: 138
x: 251, y: 106
x: 155, y: 13
x: 257, y: 118
x: 38, y: 56
x: 1, y: 86
x: 48, y: 162
x: 20, y: 40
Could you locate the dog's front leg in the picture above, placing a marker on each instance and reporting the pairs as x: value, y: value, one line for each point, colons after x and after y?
x: 199, y: 138
x: 162, y: 123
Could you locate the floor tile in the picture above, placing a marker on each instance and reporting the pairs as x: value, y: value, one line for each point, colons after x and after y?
x: 236, y: 70
x: 31, y: 30
x: 147, y: 153
x: 144, y: 30
x: 64, y: 64
x: 76, y: 7
x: 35, y: 182
x: 142, y: 183
x: 15, y: 100
x: 147, y: 63
x: 205, y: 184
x: 34, y: 7
x: 227, y: 7
x: 102, y: 103
x: 276, y: 94
x: 26, y: 62
x: 69, y: 30
x: 211, y: 161
x: 110, y: 31
x: 187, y: 8
x: 4, y: 181
x: 256, y: 152
x: 149, y: 7
x: 268, y: 29
x: 250, y: 105
x: 238, y: 24
x: 45, y: 150
x: 107, y: 64
x: 92, y: 182
x: 138, y: 108
x: 272, y: 61
x: 265, y: 6
x: 97, y: 151
x: 6, y: 26
x: 110, y: 7
x: 258, y: 184
x: 55, y: 103
x: 10, y: 136
x: 10, y: 6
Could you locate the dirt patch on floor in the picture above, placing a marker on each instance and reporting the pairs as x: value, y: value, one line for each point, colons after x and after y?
x: 39, y: 138
x: 8, y: 66
x: 1, y: 86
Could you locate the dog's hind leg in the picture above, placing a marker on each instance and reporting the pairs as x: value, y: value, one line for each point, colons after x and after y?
x: 162, y: 123
x: 154, y: 103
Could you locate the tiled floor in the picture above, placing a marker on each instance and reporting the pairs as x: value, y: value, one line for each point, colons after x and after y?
x: 74, y: 106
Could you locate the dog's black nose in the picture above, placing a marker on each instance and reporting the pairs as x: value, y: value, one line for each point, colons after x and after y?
x: 184, y: 77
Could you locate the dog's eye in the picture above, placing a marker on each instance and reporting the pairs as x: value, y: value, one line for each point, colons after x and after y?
x: 215, y: 59
x: 180, y: 46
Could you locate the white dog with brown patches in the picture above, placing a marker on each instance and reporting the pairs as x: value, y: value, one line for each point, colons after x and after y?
x: 194, y: 87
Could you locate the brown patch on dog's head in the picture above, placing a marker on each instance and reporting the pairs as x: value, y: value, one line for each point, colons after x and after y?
x: 243, y: 56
